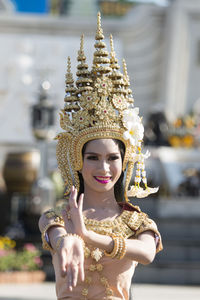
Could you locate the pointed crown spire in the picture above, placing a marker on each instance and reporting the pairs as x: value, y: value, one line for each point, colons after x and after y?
x: 99, y: 31
x: 83, y: 81
x: 70, y: 97
x: 127, y: 83
x: 100, y: 59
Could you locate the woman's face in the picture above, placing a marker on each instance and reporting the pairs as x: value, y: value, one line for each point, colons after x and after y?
x: 102, y: 165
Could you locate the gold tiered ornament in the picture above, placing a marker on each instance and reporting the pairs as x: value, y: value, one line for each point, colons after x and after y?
x: 100, y: 106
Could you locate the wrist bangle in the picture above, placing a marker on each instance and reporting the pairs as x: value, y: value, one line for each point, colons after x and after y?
x: 59, y: 240
x: 122, y: 249
x: 119, y: 248
x: 115, y: 247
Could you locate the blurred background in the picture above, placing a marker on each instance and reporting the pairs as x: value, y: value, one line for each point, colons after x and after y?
x: 160, y: 40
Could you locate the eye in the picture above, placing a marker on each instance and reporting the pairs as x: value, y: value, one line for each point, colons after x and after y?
x: 92, y: 157
x: 114, y: 157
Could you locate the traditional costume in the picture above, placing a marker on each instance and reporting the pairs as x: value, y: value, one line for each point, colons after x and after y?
x: 101, y: 106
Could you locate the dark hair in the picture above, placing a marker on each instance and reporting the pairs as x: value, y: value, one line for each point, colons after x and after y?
x: 119, y: 187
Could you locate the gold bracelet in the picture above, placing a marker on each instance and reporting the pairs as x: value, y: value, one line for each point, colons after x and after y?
x: 123, y: 248
x: 115, y: 247
x: 120, y: 247
x: 59, y: 240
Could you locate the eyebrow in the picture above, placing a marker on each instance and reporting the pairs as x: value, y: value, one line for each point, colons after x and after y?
x: 95, y: 153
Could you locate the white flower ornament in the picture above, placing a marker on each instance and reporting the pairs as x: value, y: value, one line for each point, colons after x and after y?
x: 137, y: 156
x: 135, y: 129
x: 131, y: 115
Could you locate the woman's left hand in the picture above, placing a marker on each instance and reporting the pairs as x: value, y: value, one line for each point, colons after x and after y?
x: 73, y: 216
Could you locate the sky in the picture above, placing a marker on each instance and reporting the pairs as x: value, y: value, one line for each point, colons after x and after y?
x: 159, y: 2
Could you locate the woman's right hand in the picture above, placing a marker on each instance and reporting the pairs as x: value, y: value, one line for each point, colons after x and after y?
x: 71, y: 250
x: 71, y: 257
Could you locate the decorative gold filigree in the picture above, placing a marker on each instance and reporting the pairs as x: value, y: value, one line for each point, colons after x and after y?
x: 119, y: 102
x: 103, y: 86
x: 89, y: 101
x: 105, y: 113
x: 81, y: 119
x: 97, y: 254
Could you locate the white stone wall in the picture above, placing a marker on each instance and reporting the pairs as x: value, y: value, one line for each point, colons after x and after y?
x: 143, y: 40
x: 26, y: 61
x: 193, y: 92
x: 181, y: 87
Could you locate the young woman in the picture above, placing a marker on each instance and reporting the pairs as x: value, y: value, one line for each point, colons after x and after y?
x: 97, y: 238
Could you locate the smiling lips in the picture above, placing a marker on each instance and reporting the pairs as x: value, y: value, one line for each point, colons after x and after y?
x: 103, y: 179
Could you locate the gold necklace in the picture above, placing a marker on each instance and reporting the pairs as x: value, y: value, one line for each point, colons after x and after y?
x: 120, y: 226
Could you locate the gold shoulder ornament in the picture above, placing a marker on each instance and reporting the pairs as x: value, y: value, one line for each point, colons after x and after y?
x: 100, y: 105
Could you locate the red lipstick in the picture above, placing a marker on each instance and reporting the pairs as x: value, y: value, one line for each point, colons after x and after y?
x: 102, y: 179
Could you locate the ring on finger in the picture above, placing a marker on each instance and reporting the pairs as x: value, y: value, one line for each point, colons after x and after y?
x: 68, y: 215
x: 69, y: 278
x: 70, y: 281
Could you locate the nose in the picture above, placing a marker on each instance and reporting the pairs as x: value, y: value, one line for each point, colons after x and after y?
x: 103, y: 166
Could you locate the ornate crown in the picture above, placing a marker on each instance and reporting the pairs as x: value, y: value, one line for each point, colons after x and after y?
x: 100, y: 106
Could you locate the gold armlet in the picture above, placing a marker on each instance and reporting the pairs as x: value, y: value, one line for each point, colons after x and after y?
x: 46, y: 244
x: 60, y: 239
x: 50, y: 214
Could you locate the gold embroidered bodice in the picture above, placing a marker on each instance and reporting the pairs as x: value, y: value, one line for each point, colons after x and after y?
x: 127, y: 224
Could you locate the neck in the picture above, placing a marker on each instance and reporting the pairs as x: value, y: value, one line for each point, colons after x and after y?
x: 96, y: 200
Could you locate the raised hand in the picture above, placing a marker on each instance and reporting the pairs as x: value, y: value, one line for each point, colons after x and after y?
x: 71, y: 256
x: 73, y: 216
x: 71, y: 250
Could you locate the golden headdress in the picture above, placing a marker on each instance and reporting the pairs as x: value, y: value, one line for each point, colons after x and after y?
x: 100, y: 106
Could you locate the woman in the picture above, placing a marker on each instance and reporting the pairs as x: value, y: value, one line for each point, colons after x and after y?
x: 98, y: 237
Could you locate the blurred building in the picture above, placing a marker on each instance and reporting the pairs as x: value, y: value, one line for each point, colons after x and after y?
x: 160, y: 44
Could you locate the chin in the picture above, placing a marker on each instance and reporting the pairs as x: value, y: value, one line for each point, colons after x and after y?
x: 103, y: 188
